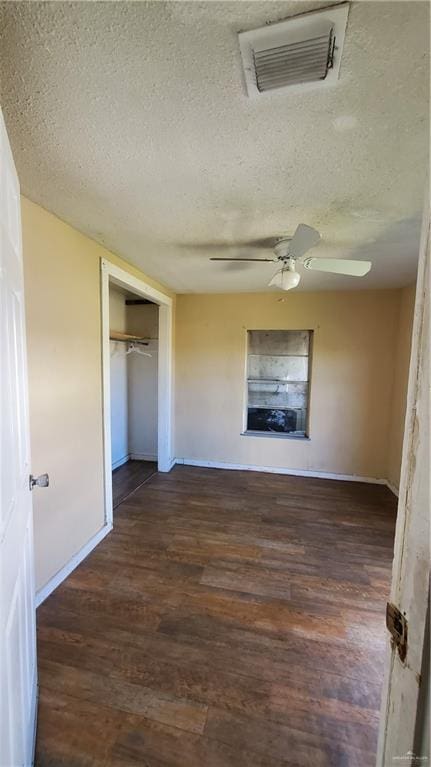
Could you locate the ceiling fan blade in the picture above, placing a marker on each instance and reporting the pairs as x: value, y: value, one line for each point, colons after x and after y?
x: 216, y: 258
x: 339, y: 266
x: 260, y: 243
x: 304, y: 238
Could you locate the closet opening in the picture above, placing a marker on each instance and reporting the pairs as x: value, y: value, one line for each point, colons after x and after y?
x: 137, y: 370
x: 133, y: 342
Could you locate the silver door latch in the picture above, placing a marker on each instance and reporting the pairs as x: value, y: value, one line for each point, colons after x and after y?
x: 41, y: 481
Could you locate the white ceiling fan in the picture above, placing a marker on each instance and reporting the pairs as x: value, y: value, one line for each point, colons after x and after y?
x: 290, y: 251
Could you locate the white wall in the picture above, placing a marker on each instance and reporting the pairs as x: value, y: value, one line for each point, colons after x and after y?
x: 143, y: 320
x: 134, y: 382
x: 142, y: 394
x: 142, y: 383
x: 119, y: 376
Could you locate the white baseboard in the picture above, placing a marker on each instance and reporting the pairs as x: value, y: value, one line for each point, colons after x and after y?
x: 77, y: 558
x: 281, y: 470
x: 392, y: 488
x: 143, y: 457
x: 120, y: 462
x: 168, y: 466
x: 134, y: 457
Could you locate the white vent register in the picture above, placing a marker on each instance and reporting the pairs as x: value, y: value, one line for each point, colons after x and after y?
x: 301, y: 52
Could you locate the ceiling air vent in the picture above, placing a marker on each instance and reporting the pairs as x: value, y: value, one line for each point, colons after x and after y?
x: 302, y: 52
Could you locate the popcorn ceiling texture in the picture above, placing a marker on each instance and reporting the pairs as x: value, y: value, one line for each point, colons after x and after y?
x: 130, y: 121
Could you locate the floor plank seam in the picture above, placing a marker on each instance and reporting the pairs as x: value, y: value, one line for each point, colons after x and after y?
x: 144, y: 482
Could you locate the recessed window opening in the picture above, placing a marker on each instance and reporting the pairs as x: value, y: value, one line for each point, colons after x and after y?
x: 278, y: 381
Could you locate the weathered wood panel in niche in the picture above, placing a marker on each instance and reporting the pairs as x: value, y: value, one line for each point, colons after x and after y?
x: 274, y: 395
x: 278, y: 342
x: 281, y: 368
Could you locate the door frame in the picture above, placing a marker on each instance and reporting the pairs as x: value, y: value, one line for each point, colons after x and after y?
x: 401, y: 699
x: 110, y: 273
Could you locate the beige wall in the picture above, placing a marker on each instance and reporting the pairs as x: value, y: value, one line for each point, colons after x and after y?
x: 399, y: 391
x: 65, y: 382
x: 352, y: 373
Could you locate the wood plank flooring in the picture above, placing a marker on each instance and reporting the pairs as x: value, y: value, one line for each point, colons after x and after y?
x: 128, y: 477
x: 231, y: 619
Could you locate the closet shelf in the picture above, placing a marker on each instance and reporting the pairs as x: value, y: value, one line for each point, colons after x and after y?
x: 115, y: 335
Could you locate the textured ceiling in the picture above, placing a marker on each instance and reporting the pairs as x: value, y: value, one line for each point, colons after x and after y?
x: 130, y: 121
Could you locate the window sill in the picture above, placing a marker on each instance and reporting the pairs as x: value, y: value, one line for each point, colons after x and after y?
x: 275, y: 434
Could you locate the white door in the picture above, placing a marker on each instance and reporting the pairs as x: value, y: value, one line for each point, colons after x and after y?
x: 18, y: 681
x: 398, y: 741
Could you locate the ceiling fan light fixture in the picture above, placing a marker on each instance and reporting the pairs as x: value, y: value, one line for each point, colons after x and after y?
x: 287, y: 278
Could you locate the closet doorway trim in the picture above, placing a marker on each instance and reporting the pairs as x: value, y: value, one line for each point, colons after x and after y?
x: 110, y: 273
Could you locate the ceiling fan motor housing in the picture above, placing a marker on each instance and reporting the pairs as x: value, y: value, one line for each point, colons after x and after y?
x: 281, y: 249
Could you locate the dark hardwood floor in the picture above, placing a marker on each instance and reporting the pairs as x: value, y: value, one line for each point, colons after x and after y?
x: 128, y: 477
x: 231, y: 619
